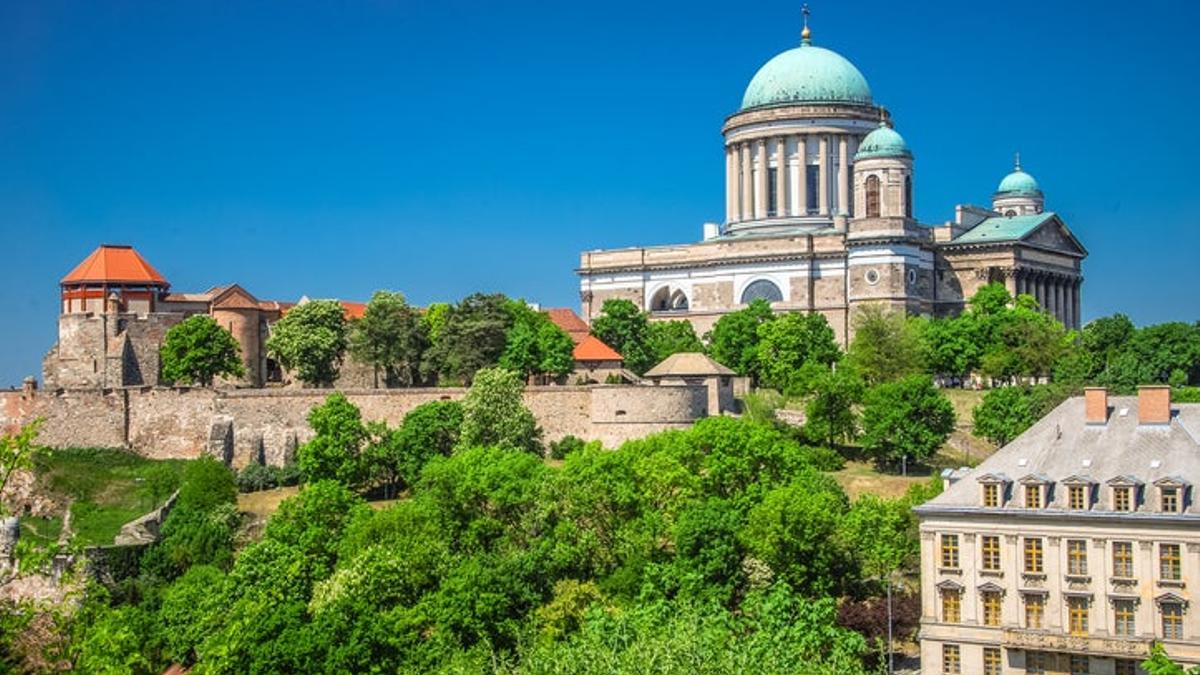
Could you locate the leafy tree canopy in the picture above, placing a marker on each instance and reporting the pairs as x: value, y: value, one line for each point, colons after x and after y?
x: 790, y: 341
x: 473, y: 336
x: 197, y: 349
x: 391, y: 336
x: 906, y: 418
x: 494, y: 413
x: 734, y: 338
x: 310, y: 340
x: 625, y: 328
x: 886, y: 345
x: 672, y: 337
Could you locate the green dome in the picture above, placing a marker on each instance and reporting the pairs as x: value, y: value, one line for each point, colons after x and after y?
x: 883, y: 142
x: 1019, y: 183
x: 807, y: 74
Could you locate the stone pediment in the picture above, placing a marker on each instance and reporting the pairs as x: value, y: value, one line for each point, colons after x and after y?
x: 1053, y: 234
x: 235, y: 297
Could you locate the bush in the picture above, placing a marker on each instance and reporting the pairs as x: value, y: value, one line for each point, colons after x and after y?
x: 566, y: 445
x: 256, y: 477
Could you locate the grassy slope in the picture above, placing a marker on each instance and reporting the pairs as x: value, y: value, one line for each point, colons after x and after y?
x: 105, y: 488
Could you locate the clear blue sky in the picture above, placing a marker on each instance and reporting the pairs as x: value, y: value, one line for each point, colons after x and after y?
x: 331, y: 149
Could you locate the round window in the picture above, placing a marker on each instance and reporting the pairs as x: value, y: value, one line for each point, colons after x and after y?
x: 912, y: 277
x: 872, y: 276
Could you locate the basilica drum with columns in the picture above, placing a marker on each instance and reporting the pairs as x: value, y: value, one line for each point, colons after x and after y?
x: 819, y: 217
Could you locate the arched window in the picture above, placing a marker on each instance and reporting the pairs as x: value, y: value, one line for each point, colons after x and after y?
x: 908, y: 196
x: 872, y: 196
x: 761, y: 290
x: 666, y: 300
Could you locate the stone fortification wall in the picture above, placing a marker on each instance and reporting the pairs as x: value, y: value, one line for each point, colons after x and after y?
x: 266, y: 425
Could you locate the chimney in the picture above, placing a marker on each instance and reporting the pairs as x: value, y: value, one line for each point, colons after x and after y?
x: 1095, y: 405
x: 28, y: 387
x: 1154, y: 404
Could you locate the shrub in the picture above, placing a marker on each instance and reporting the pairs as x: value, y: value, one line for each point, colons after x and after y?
x: 256, y: 477
x: 566, y: 445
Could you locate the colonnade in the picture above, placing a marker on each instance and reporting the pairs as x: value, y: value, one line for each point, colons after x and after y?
x: 1057, y: 293
x: 747, y: 183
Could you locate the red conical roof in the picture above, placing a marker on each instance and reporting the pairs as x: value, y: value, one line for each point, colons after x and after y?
x: 113, y: 264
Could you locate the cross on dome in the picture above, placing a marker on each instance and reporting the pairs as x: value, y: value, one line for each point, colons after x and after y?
x: 806, y: 34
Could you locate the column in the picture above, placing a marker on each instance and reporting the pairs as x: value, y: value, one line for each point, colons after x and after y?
x: 730, y: 185
x: 1039, y: 289
x: 823, y: 176
x: 746, y: 201
x: 760, y: 180
x: 1056, y: 298
x: 843, y: 204
x: 802, y: 193
x: 781, y: 174
x: 795, y: 180
x: 1078, y: 295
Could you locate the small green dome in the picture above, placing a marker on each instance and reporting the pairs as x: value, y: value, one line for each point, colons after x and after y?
x: 1019, y: 183
x: 883, y: 142
x: 807, y: 74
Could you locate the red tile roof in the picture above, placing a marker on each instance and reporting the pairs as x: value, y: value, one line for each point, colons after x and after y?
x: 593, y: 349
x: 115, y: 265
x: 569, y: 321
x: 354, y: 310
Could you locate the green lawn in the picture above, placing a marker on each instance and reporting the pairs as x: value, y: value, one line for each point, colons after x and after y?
x: 106, y: 489
x: 42, y: 531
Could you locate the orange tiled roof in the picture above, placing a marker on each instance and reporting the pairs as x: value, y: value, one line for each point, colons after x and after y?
x: 115, y: 265
x: 570, y: 322
x: 354, y: 310
x: 593, y: 349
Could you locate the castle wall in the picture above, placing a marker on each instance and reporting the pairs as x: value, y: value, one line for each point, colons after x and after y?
x: 265, y: 425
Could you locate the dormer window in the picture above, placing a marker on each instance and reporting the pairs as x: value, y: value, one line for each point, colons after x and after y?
x: 1171, y: 493
x: 1124, y: 493
x: 1033, y: 496
x: 991, y: 495
x: 1035, y: 490
x: 992, y: 487
x: 1079, y: 492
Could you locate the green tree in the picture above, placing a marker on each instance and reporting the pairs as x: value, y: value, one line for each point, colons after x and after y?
x: 556, y: 350
x: 395, y: 457
x: 734, y: 338
x: 789, y: 342
x: 830, y: 412
x: 16, y: 454
x: 672, y: 337
x: 794, y: 531
x: 494, y: 414
x: 198, y: 349
x: 950, y: 346
x: 391, y: 337
x: 906, y: 418
x: 625, y: 328
x: 334, y: 453
x: 878, y: 534
x: 473, y: 336
x: 1003, y: 414
x: 1159, y: 663
x: 534, y: 345
x: 310, y: 339
x: 886, y: 346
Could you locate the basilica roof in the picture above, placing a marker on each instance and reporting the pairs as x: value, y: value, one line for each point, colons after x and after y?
x: 883, y: 142
x: 1004, y: 228
x: 1019, y: 183
x: 807, y: 74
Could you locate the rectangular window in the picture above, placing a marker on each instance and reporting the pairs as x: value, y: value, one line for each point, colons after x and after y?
x: 1033, y: 556
x: 990, y: 548
x: 1170, y: 500
x: 1122, y: 498
x: 1172, y: 621
x: 1033, y: 496
x: 950, y: 551
x: 991, y: 495
x: 1077, y: 612
x: 1123, y: 613
x: 951, y: 659
x: 1077, y: 557
x: 1035, y: 611
x: 991, y: 608
x: 1035, y: 662
x: 1123, y: 559
x: 991, y: 661
x: 1126, y: 667
x: 810, y: 187
x: 772, y: 192
x: 1077, y: 497
x: 1168, y: 562
x: 1079, y: 665
x: 951, y: 606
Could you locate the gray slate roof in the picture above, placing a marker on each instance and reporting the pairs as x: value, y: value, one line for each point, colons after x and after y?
x: 1062, y: 445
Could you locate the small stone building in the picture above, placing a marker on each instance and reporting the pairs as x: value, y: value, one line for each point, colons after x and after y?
x: 697, y: 368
